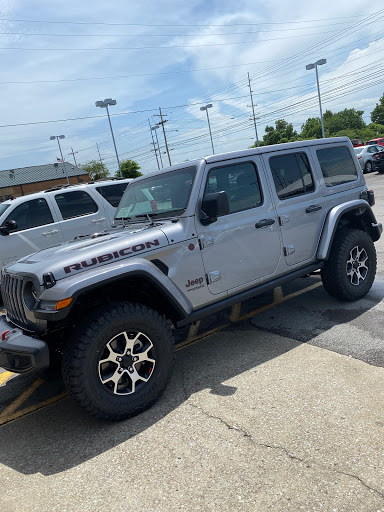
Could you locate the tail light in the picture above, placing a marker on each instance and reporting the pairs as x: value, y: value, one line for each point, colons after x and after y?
x: 154, y: 205
x: 371, y: 197
x: 359, y: 156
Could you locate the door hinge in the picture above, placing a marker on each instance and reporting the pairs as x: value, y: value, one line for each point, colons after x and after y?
x: 206, y: 241
x: 283, y: 219
x: 213, y: 276
x: 289, y: 249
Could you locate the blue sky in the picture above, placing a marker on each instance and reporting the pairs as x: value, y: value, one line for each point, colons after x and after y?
x: 180, y: 56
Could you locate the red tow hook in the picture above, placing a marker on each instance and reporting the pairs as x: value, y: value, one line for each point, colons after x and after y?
x: 4, y: 335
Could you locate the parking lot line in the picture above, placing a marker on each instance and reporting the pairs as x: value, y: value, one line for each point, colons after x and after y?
x: 8, y: 411
x: 33, y: 408
x: 5, y: 376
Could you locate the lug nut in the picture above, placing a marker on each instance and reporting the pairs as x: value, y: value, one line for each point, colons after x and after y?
x: 128, y: 352
x: 130, y: 369
x: 120, y: 370
x: 119, y: 359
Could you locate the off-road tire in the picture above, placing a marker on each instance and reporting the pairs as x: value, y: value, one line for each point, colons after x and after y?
x: 334, y: 275
x: 81, y: 360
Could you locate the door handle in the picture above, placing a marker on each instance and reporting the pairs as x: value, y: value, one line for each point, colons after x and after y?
x: 98, y: 220
x: 264, y: 223
x: 313, y: 208
x: 50, y: 232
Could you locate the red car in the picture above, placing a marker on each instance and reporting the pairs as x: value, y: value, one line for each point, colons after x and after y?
x: 379, y: 141
x: 357, y: 143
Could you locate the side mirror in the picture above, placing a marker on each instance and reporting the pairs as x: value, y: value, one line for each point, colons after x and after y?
x: 10, y: 225
x: 213, y: 206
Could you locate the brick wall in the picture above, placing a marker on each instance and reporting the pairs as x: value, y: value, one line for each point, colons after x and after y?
x: 30, y: 188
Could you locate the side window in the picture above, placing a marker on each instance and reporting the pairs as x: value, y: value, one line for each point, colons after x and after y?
x: 75, y: 204
x: 113, y: 193
x: 292, y: 175
x: 31, y: 214
x: 336, y: 165
x: 240, y: 182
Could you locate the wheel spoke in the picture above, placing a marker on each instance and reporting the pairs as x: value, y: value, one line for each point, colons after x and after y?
x: 130, y: 343
x: 114, y: 378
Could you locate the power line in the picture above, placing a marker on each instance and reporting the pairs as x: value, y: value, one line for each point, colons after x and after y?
x: 172, y: 25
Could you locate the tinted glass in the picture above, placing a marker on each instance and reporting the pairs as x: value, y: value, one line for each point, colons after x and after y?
x: 292, y: 175
x: 336, y: 165
x: 75, y: 204
x: 31, y: 214
x: 113, y: 193
x: 164, y: 195
x: 240, y: 182
x: 3, y: 207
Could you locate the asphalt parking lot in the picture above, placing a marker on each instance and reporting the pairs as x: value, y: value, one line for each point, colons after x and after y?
x: 277, y: 404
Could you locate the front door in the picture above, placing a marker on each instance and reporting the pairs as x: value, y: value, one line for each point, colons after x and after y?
x: 243, y: 246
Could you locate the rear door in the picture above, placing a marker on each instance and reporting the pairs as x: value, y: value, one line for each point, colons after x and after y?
x: 299, y: 201
x: 79, y: 213
x: 243, y: 246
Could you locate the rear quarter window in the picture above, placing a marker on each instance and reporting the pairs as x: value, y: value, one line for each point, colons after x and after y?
x: 336, y: 165
x: 112, y: 193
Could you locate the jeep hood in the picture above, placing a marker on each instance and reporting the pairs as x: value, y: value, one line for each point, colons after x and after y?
x: 80, y: 255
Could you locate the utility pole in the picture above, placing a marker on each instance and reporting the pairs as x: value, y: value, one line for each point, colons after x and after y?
x: 162, y: 122
x: 153, y: 144
x: 154, y: 128
x: 73, y: 154
x: 98, y: 150
x: 253, y: 110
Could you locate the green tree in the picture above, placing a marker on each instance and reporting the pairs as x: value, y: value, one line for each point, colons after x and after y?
x: 311, y: 129
x: 377, y: 114
x: 96, y: 170
x: 281, y: 132
x: 347, y: 119
x: 129, y: 169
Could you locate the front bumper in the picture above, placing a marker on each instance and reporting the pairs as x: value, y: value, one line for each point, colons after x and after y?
x: 20, y: 353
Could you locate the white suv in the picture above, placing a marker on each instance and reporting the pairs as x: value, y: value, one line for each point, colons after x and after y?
x: 45, y: 219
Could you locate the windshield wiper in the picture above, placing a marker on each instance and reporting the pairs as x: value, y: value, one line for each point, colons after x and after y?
x: 155, y: 214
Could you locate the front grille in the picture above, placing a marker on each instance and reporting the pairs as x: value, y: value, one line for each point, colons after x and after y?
x: 11, y: 291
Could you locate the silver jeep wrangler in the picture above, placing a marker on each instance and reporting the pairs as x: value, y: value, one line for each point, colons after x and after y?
x: 188, y: 241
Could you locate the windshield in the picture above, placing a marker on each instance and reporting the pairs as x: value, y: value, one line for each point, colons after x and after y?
x: 3, y: 207
x: 358, y: 150
x: 163, y: 195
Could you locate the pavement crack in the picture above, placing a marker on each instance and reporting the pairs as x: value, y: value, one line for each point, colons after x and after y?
x: 372, y: 489
x: 308, y: 464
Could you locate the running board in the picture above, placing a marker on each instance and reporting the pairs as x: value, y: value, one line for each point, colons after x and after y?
x: 248, y: 294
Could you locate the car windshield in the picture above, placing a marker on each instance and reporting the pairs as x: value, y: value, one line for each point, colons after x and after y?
x: 3, y: 207
x: 358, y: 150
x: 164, y: 195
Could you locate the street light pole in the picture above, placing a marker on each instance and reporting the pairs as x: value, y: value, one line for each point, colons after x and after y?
x: 209, y: 124
x: 104, y: 104
x: 311, y: 66
x: 57, y: 137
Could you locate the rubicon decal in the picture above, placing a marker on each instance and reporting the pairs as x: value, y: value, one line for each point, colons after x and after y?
x: 110, y: 256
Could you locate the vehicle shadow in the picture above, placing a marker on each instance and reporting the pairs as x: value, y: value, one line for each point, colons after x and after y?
x: 63, y: 436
